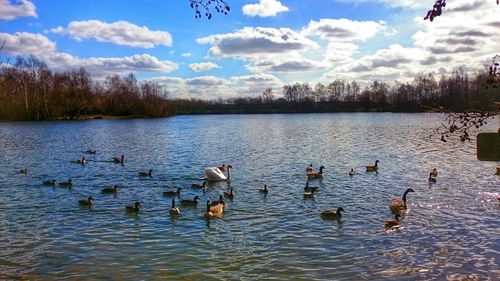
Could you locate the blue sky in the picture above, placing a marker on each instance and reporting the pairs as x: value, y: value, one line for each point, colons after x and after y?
x: 259, y: 44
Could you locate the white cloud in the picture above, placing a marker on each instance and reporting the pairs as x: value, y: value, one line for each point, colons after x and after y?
x: 186, y: 55
x: 340, y: 52
x: 265, y: 8
x: 344, y: 29
x: 410, y: 4
x: 120, y: 32
x: 22, y: 43
x: 18, y: 9
x: 287, y: 65
x: 203, y: 66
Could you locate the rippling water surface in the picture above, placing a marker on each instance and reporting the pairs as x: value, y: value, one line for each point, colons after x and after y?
x: 451, y: 230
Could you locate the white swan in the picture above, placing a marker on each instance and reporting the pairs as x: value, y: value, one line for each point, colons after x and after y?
x: 215, y: 174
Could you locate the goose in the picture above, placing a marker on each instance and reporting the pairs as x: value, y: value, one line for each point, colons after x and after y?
x: 50, y: 182
x: 309, y: 168
x: 81, y: 161
x: 220, y: 202
x: 264, y: 189
x: 434, y: 173
x: 309, y: 194
x: 373, y: 168
x: 173, y: 192
x: 146, y: 174
x: 208, y: 213
x: 133, y: 208
x: 229, y: 193
x: 108, y: 190
x: 90, y: 151
x: 197, y: 185
x: 23, y: 171
x: 118, y: 160
x: 319, y: 174
x: 352, y: 172
x: 87, y: 202
x: 215, y: 174
x: 332, y: 214
x: 310, y: 188
x: 217, y: 207
x: 389, y: 223
x: 431, y: 179
x: 189, y: 202
x: 174, y: 210
x: 68, y: 183
x: 398, y: 205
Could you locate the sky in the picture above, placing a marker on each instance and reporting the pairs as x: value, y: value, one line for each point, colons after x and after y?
x: 259, y: 44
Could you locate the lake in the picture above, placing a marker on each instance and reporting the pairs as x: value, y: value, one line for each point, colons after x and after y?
x: 451, y: 229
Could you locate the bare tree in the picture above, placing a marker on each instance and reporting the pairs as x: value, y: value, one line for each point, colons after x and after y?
x: 221, y: 7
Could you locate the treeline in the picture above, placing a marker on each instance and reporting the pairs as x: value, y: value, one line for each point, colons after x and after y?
x: 457, y: 92
x: 31, y: 91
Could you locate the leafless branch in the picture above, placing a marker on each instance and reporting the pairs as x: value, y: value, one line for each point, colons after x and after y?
x: 221, y: 7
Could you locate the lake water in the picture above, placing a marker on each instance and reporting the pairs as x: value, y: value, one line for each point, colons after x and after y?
x: 451, y: 229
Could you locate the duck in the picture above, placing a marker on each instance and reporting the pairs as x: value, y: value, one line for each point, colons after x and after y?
x: 352, y: 172
x: 229, y: 193
x: 50, y: 182
x: 197, y: 185
x: 208, y: 213
x: 434, y: 173
x: 431, y: 179
x: 173, y: 192
x: 81, y: 161
x: 118, y: 160
x: 398, y: 205
x: 108, y: 190
x: 190, y: 202
x: 318, y: 175
x: 309, y: 188
x: 309, y: 194
x: 146, y: 174
x: 264, y: 189
x: 133, y: 207
x: 68, y: 183
x: 90, y: 151
x: 332, y: 214
x: 174, y: 210
x: 309, y: 168
x: 23, y: 171
x: 389, y: 223
x: 87, y: 202
x: 373, y: 168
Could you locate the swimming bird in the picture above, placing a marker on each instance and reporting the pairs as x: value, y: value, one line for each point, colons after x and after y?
x: 108, y: 190
x: 146, y: 174
x: 81, y: 161
x: 216, y: 175
x: 90, y: 151
x: 332, y: 214
x: 23, y: 171
x: 373, y: 168
x: 219, y: 202
x: 229, y: 193
x: 87, y: 202
x: 264, y: 189
x: 309, y: 168
x: 197, y: 185
x: 217, y: 207
x: 50, y: 182
x: 431, y: 179
x: 310, y: 188
x: 398, y: 205
x: 208, y: 213
x: 118, y: 160
x: 352, y: 172
x: 189, y: 202
x: 392, y: 222
x: 68, y: 183
x: 222, y: 168
x: 174, y: 210
x: 173, y: 192
x: 316, y: 175
x: 133, y: 208
x: 309, y: 194
x: 434, y: 173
